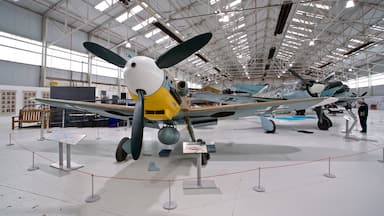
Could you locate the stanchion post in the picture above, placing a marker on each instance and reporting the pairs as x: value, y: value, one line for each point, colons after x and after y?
x: 63, y: 119
x: 42, y: 117
x: 10, y: 140
x: 93, y: 197
x: 97, y: 134
x: 33, y: 167
x: 382, y: 160
x: 259, y: 188
x: 169, y: 205
x: 329, y: 174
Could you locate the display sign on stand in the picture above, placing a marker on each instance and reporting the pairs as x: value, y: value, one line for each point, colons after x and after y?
x: 69, y: 139
x: 198, y: 149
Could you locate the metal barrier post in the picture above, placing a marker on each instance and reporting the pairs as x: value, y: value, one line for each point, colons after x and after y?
x: 93, y: 197
x: 33, y: 167
x: 10, y: 140
x: 259, y: 188
x: 42, y: 117
x: 382, y: 160
x: 329, y: 174
x: 169, y: 205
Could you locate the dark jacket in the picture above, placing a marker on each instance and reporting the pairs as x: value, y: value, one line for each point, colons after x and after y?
x: 363, y: 110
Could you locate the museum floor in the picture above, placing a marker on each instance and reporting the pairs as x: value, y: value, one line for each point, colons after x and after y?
x: 292, y: 167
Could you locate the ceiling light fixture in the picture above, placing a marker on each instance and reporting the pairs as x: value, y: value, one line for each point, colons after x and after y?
x: 312, y: 43
x: 350, y: 3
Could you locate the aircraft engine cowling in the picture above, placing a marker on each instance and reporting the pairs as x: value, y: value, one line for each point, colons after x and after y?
x: 182, y: 88
x: 168, y: 135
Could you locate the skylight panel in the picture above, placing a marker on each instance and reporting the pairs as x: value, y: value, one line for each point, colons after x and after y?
x: 151, y: 33
x: 144, y: 4
x: 122, y: 17
x: 233, y: 35
x: 288, y: 45
x: 135, y: 10
x: 240, y: 26
x: 242, y: 36
x: 293, y: 42
x: 234, y: 3
x: 291, y: 37
x: 337, y: 54
x: 105, y: 4
x: 357, y: 41
x: 321, y: 6
x: 143, y: 24
x: 192, y: 58
x: 297, y: 33
x: 308, y: 14
x: 341, y: 50
x: 303, y: 21
x: 224, y: 19
x: 242, y: 41
x: 300, y: 28
x: 377, y: 28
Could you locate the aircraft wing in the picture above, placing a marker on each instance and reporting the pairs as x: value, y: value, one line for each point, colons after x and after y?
x: 255, y: 108
x: 107, y: 110
x: 343, y: 101
x: 228, y: 99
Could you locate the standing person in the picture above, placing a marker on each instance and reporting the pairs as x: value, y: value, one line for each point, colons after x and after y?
x: 363, y: 115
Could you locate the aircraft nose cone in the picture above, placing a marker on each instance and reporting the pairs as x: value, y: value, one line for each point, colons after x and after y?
x: 142, y: 73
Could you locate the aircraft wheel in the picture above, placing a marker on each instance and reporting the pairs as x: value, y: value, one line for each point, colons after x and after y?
x: 121, y: 155
x: 273, y: 127
x: 204, y: 158
x: 300, y: 112
x: 323, y: 125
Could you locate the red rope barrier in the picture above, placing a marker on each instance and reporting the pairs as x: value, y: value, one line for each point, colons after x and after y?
x: 216, y: 175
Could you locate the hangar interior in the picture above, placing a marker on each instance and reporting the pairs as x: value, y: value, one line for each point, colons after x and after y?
x: 255, y: 42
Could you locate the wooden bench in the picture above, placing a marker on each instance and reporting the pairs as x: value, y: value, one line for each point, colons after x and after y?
x: 30, y: 116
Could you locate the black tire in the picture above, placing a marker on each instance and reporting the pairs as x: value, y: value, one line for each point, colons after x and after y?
x: 300, y: 112
x: 274, y: 127
x: 323, y: 125
x: 121, y: 155
x: 204, y: 159
x: 326, y: 118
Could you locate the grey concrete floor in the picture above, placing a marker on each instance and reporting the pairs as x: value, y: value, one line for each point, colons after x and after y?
x: 291, y: 173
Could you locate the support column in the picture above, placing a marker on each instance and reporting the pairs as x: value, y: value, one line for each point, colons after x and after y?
x: 119, y: 71
x: 43, y: 68
x: 370, y: 89
x: 89, y: 71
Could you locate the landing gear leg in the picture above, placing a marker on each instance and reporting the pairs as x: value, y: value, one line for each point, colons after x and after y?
x: 324, y: 122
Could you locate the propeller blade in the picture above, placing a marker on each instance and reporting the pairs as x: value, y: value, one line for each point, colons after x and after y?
x: 138, y: 126
x: 105, y: 54
x: 297, y: 75
x: 365, y: 93
x: 183, y: 50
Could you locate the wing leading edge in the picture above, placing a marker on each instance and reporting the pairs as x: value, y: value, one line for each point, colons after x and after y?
x: 257, y: 108
x: 107, y: 110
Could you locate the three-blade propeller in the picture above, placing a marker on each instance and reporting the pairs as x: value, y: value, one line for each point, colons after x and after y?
x: 168, y: 59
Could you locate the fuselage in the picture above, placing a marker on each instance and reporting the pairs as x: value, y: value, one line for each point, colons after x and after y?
x: 161, y: 100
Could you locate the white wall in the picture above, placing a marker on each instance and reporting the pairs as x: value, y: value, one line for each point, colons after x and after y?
x: 19, y: 74
x: 376, y: 90
x: 18, y: 21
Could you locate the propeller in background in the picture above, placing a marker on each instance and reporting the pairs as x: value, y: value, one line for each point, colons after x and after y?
x: 167, y: 59
x: 307, y: 82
